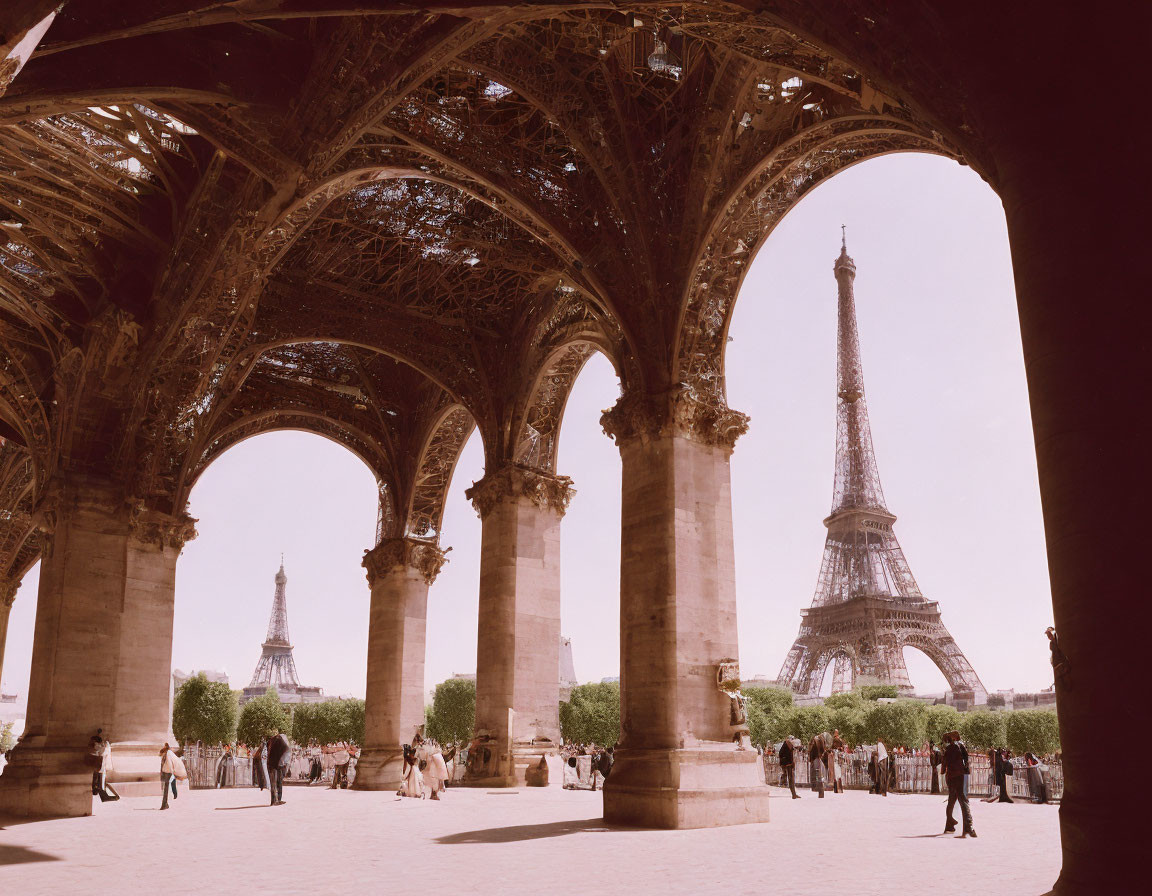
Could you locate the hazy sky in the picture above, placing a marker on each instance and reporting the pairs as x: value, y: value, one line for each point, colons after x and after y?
x: 944, y: 377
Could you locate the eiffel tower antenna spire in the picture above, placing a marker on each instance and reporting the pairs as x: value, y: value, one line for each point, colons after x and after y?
x: 867, y: 607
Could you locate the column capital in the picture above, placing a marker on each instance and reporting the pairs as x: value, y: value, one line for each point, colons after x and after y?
x: 701, y: 416
x: 8, y: 589
x: 516, y: 481
x: 165, y: 530
x: 425, y: 557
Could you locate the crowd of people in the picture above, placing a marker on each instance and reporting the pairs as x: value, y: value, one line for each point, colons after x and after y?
x: 827, y: 755
x: 586, y: 775
x: 427, y: 769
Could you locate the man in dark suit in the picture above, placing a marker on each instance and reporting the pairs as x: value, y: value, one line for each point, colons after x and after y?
x: 278, y: 751
x: 788, y: 766
x: 955, y: 768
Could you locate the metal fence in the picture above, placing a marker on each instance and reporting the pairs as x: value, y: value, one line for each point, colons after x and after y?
x: 914, y: 774
x: 205, y: 767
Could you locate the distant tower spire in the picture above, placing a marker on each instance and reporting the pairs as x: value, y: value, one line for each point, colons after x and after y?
x: 867, y: 605
x: 276, y: 667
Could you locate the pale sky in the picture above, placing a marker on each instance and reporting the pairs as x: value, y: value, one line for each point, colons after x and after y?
x: 944, y: 376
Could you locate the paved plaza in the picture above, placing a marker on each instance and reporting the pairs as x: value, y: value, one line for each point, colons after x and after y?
x: 522, y: 841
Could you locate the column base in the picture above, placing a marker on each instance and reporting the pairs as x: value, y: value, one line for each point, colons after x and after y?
x: 379, y: 768
x: 705, y: 786
x: 46, y: 782
x: 135, y: 768
x: 525, y: 759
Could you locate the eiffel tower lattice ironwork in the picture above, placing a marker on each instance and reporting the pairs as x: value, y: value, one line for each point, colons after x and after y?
x: 867, y: 607
x: 276, y: 667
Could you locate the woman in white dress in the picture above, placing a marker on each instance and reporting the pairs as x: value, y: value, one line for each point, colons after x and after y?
x: 412, y: 783
x: 434, y: 770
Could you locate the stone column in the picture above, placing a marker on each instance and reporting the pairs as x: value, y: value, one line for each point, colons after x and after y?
x: 684, y: 759
x: 102, y: 650
x: 400, y: 570
x: 518, y: 642
x: 7, y: 598
x: 1082, y: 289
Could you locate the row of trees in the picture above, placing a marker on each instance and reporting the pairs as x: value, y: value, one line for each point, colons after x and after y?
x: 209, y: 711
x: 862, y: 719
x: 591, y: 715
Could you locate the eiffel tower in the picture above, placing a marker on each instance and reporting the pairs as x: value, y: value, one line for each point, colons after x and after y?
x: 276, y: 667
x: 867, y: 607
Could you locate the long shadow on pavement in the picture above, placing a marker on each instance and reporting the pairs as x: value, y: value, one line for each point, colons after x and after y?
x: 22, y: 855
x: 233, y: 808
x: 530, y: 832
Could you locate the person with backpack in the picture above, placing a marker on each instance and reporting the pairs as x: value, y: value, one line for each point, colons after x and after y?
x: 955, y: 768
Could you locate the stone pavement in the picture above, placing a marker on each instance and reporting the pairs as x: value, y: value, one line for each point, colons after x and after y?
x: 529, y: 841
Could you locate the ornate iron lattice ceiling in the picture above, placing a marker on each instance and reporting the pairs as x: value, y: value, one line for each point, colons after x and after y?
x: 387, y: 225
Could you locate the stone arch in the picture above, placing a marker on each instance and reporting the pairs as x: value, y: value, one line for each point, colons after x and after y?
x: 754, y: 209
x: 360, y: 443
x: 441, y: 450
x: 538, y: 432
x: 20, y: 536
x: 942, y: 650
x: 813, y: 668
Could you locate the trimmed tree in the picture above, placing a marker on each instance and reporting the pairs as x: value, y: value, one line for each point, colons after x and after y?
x: 897, y: 724
x: 453, y: 711
x: 329, y: 722
x: 938, y: 719
x: 849, y: 721
x: 592, y: 715
x: 1032, y: 731
x: 766, y: 708
x: 983, y: 730
x: 261, y: 716
x: 204, y: 711
x: 806, y: 722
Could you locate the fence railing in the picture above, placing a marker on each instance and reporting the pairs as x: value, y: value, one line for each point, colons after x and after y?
x: 914, y: 774
x: 206, y: 767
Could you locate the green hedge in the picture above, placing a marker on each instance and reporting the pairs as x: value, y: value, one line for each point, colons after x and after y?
x: 905, y: 722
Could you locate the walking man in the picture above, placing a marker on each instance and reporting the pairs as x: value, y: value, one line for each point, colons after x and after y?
x: 788, y: 765
x: 955, y: 768
x: 278, y: 751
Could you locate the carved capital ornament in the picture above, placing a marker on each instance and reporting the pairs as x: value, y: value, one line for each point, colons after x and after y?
x: 700, y: 416
x: 425, y: 557
x: 515, y: 482
x: 162, y: 529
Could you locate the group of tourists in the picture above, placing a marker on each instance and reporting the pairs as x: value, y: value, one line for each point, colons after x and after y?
x: 1001, y: 768
x: 427, y: 769
x: 825, y: 756
x: 585, y: 774
x: 305, y: 763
